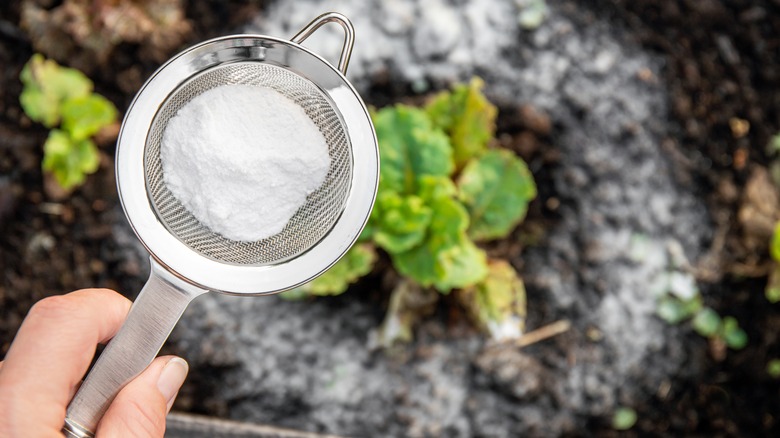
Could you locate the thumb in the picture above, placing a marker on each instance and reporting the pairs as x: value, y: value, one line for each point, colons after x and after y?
x: 140, y: 408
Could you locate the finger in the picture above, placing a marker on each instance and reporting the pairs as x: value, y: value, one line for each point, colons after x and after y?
x: 140, y: 408
x: 51, y: 353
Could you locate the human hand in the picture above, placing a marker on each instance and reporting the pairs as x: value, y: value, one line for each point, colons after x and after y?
x: 50, y: 355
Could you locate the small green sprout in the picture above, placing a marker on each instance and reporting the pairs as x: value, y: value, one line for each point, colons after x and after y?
x: 706, y: 322
x: 773, y: 368
x: 709, y: 324
x: 532, y: 13
x: 54, y: 95
x: 624, y: 418
x: 772, y: 291
x: 732, y: 334
x: 680, y: 301
x: 674, y: 310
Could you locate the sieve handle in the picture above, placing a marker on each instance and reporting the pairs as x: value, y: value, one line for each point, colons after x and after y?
x: 349, y: 35
x: 151, y: 319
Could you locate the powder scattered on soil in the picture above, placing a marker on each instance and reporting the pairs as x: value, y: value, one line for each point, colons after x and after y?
x: 242, y: 159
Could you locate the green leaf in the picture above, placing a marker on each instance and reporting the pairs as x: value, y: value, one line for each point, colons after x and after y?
x: 446, y: 258
x: 674, y: 311
x: 497, y: 304
x: 409, y: 148
x: 496, y: 189
x: 399, y: 223
x: 47, y: 85
x: 773, y: 294
x: 447, y: 226
x: 356, y: 263
x: 773, y: 148
x: 459, y: 265
x: 84, y: 116
x: 774, y: 248
x: 450, y: 217
x: 624, y: 418
x: 40, y: 107
x: 735, y: 337
x: 671, y: 310
x: 418, y: 263
x: 467, y: 117
x: 69, y: 160
x: 62, y: 82
x: 772, y: 290
x: 773, y: 368
x: 431, y: 188
x: 706, y: 322
x: 532, y: 14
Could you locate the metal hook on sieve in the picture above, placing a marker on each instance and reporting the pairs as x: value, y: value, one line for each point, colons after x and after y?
x: 349, y: 35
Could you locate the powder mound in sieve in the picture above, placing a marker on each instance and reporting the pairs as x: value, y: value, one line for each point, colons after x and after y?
x: 242, y: 159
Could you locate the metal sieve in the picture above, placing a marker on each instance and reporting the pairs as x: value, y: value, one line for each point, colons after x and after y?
x: 312, y: 221
x: 187, y: 258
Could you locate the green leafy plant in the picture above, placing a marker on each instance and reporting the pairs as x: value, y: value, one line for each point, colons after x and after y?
x: 443, y: 189
x: 59, y: 96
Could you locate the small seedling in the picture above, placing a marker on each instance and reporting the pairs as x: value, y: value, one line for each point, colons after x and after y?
x: 59, y: 96
x: 706, y: 322
x: 732, y: 334
x: 773, y: 368
x: 532, y: 13
x: 674, y: 310
x: 680, y: 301
x: 624, y: 418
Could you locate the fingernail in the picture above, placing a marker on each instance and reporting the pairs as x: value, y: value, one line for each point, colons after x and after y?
x: 171, y: 378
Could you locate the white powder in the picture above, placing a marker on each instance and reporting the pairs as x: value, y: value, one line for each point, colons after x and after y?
x: 243, y: 159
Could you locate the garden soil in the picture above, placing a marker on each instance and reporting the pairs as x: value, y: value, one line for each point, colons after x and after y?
x: 628, y: 113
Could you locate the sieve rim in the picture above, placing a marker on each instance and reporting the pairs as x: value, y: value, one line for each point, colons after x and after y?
x: 203, y: 271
